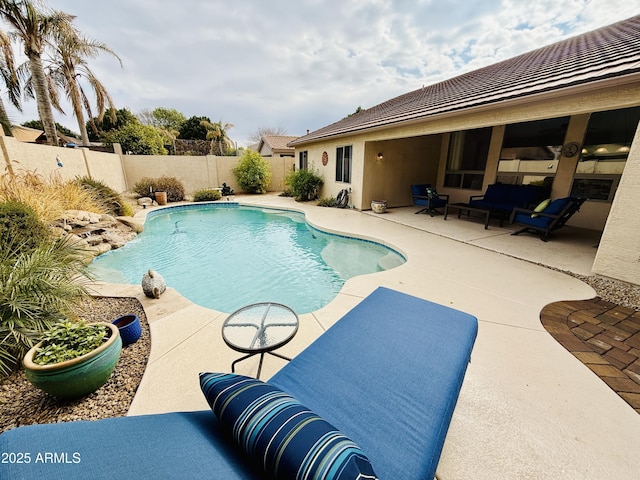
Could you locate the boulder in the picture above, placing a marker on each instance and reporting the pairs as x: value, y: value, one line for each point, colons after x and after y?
x: 131, y: 223
x: 113, y: 239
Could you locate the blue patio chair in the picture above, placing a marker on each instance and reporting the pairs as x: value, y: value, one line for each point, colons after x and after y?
x: 553, y: 217
x: 424, y: 195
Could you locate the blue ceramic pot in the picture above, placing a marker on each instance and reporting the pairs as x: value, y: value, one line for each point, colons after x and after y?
x: 129, y: 327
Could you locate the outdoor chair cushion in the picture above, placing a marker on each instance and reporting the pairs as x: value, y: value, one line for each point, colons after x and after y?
x: 425, y: 195
x: 280, y: 434
x: 557, y: 205
x: 504, y: 197
x: 409, y: 355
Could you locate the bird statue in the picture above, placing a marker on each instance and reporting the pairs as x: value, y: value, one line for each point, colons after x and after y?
x: 153, y: 284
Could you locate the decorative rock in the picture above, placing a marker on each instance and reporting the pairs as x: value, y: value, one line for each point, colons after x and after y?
x: 81, y: 242
x: 94, y: 240
x: 100, y: 248
x: 94, y: 219
x: 153, y: 284
x: 113, y: 239
x: 145, y: 201
x: 105, y: 217
x: 131, y: 223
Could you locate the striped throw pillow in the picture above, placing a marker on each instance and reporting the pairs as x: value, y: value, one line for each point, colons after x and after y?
x: 283, y: 436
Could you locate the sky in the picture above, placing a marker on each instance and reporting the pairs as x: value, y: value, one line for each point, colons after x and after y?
x: 304, y: 64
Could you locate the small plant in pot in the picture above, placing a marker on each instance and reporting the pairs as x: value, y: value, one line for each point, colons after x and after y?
x: 74, y: 358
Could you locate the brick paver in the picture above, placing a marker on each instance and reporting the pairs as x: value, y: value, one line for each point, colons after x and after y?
x: 605, y: 337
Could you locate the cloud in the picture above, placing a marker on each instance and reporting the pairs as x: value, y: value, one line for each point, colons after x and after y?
x: 303, y: 65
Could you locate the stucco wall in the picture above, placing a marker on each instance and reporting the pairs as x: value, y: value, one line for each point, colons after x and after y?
x: 404, y: 162
x: 619, y: 251
x: 42, y: 159
x: 121, y: 172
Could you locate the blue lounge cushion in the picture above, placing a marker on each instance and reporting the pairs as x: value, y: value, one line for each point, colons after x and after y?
x: 528, y: 219
x: 281, y: 435
x: 557, y: 205
x: 170, y: 446
x: 411, y: 393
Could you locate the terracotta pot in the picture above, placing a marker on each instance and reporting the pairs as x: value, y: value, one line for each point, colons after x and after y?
x: 161, y: 198
x: 79, y: 376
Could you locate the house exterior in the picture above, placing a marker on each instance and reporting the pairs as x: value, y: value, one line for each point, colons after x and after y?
x: 276, y: 146
x: 565, y: 115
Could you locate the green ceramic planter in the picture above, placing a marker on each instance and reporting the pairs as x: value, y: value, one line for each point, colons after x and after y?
x: 77, y: 377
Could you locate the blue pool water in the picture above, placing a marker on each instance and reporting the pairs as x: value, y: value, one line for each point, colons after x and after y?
x: 225, y: 256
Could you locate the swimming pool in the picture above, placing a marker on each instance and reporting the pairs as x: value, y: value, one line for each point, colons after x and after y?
x: 224, y: 256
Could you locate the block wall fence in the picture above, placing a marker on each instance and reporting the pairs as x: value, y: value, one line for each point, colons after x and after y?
x: 122, y: 172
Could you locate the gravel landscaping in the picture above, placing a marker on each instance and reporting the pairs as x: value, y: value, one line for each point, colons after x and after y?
x: 23, y: 404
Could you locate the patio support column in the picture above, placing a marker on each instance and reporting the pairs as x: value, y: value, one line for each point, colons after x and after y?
x: 619, y: 252
x: 567, y: 165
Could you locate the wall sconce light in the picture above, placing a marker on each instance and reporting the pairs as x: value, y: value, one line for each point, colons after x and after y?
x: 380, y: 157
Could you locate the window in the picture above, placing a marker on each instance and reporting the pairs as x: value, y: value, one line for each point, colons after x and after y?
x: 343, y: 164
x: 604, y: 153
x: 467, y: 158
x: 531, y: 151
x: 304, y: 160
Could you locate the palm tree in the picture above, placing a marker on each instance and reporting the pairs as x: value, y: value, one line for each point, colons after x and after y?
x: 34, y: 24
x: 217, y: 133
x: 10, y: 80
x: 68, y: 64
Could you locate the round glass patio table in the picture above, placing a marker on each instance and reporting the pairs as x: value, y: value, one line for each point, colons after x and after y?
x: 259, y: 328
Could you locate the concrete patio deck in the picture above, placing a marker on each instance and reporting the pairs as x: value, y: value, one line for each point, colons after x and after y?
x: 528, y: 408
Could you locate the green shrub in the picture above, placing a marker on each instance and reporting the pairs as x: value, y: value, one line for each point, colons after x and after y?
x: 37, y: 289
x: 304, y: 184
x: 206, y: 195
x: 20, y: 228
x: 171, y: 185
x: 112, y: 201
x: 327, y: 202
x: 253, y: 173
x: 68, y: 340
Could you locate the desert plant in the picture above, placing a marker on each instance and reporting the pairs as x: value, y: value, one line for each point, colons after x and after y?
x: 68, y: 340
x: 20, y: 228
x: 48, y: 198
x: 112, y: 200
x: 206, y: 195
x: 174, y: 188
x: 304, y: 184
x: 253, y: 173
x: 37, y: 289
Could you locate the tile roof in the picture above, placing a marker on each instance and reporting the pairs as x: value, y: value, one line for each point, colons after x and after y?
x: 611, y: 51
x: 278, y: 142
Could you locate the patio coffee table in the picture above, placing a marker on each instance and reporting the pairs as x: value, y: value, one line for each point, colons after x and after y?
x: 469, y: 208
x: 259, y: 328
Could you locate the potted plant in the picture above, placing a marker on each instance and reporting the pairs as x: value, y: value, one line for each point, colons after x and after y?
x: 74, y: 358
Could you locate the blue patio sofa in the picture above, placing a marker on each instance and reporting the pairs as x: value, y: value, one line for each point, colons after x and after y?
x: 387, y: 375
x: 502, y: 198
